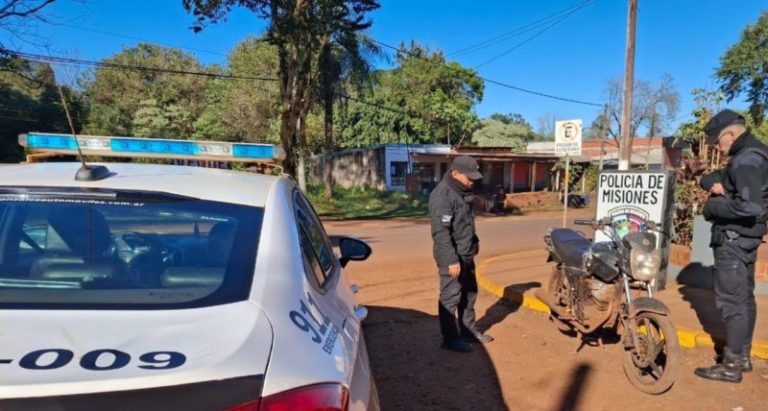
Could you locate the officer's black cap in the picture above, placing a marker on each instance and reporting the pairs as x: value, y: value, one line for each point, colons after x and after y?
x: 468, y: 166
x: 720, y: 121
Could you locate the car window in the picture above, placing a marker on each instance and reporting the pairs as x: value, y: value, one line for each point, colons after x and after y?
x: 315, y: 245
x: 127, y: 250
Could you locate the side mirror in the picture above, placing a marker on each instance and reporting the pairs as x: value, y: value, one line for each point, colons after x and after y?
x: 353, y: 249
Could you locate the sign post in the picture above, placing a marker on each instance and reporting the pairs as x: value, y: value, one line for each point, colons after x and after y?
x: 567, y: 143
x: 565, y: 187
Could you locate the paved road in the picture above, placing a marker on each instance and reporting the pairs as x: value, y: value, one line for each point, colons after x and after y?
x: 530, y: 366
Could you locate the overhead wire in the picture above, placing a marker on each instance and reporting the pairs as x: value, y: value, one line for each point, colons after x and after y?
x: 520, y: 30
x: 107, y: 33
x: 146, y: 69
x: 491, y: 81
x: 534, y: 36
x: 488, y: 80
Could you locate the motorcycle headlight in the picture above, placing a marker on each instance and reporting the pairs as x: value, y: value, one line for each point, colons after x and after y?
x: 644, y: 265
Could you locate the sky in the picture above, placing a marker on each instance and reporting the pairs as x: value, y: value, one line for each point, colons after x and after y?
x: 572, y: 59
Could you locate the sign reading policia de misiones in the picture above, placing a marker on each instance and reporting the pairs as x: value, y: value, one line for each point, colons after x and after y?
x: 631, y: 188
x: 631, y: 198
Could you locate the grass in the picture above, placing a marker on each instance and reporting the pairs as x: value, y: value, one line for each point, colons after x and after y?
x: 366, y: 203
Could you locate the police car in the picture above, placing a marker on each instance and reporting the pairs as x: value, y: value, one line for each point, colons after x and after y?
x: 160, y: 287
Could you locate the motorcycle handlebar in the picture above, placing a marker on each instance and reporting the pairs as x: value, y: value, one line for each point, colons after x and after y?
x: 583, y: 221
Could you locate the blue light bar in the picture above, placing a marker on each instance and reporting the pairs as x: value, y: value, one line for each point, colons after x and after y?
x: 147, y: 146
x: 55, y: 142
x: 252, y: 151
x: 151, y: 147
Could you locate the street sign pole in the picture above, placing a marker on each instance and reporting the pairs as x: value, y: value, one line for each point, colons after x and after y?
x: 567, y: 144
x: 565, y: 187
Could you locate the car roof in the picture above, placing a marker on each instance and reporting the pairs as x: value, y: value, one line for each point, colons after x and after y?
x: 204, y: 183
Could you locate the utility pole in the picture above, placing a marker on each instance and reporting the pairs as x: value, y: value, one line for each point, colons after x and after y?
x: 625, y: 149
x: 605, y: 124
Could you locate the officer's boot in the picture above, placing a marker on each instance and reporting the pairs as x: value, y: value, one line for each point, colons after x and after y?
x: 744, y: 360
x: 729, y: 370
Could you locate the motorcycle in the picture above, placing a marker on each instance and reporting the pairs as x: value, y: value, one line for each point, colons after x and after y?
x: 594, y: 291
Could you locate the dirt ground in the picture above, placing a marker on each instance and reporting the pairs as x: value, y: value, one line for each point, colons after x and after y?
x: 530, y: 365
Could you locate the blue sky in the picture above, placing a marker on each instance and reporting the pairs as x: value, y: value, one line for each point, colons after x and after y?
x: 572, y: 59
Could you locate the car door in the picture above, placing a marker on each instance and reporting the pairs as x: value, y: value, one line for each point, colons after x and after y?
x: 332, y: 296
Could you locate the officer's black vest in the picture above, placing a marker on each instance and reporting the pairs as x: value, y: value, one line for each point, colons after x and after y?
x: 753, y: 229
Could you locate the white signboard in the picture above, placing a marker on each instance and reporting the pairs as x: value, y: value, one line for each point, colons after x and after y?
x: 568, y: 138
x: 631, y: 199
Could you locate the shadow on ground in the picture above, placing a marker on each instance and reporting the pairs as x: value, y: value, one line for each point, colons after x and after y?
x: 570, y: 400
x: 413, y: 373
x: 504, y: 306
x: 697, y: 289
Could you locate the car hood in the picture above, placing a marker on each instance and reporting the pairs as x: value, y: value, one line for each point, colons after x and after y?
x: 46, y: 353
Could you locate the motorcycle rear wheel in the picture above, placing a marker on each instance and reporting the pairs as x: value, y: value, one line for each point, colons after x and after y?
x: 652, y: 366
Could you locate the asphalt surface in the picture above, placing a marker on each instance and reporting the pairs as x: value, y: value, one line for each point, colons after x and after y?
x: 530, y: 365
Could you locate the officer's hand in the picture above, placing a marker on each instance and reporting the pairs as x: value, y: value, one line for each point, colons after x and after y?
x: 454, y: 270
x: 717, y: 189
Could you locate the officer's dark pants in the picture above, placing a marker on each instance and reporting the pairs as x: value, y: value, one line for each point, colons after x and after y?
x: 735, y: 290
x: 457, y: 294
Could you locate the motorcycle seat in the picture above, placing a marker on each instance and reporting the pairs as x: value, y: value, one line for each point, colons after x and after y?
x: 570, y: 246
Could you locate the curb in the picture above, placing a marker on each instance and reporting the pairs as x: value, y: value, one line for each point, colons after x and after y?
x: 688, y: 338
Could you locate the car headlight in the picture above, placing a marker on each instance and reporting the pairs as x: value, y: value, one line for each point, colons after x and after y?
x: 644, y: 265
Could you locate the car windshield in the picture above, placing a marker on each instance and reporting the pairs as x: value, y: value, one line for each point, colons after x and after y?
x: 77, y: 249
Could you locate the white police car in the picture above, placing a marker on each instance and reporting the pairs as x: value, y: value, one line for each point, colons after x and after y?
x: 152, y: 287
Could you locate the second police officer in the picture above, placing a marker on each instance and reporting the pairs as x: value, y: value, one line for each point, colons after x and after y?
x: 736, y: 208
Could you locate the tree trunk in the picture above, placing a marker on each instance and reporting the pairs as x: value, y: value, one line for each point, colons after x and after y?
x: 328, y: 164
x: 288, y: 135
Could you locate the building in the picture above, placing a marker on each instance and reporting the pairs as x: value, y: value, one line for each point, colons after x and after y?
x: 654, y: 152
x: 418, y: 168
x: 382, y: 167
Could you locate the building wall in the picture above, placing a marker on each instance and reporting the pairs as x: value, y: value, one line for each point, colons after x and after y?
x: 399, y: 156
x: 355, y: 168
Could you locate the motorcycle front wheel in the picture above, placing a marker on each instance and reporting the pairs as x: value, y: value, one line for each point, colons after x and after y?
x: 651, y: 366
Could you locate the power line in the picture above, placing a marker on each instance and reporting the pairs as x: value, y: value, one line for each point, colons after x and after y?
x: 520, y: 30
x: 537, y: 34
x: 29, y: 120
x: 142, y: 40
x: 496, y: 82
x: 126, y: 67
x: 145, y: 69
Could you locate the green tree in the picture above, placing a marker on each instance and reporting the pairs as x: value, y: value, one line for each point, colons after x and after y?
x: 244, y: 110
x: 496, y: 133
x: 344, y: 64
x: 744, y: 68
x: 707, y: 105
x: 117, y: 96
x: 511, y: 118
x: 299, y: 29
x: 425, y: 99
x: 153, y: 120
x: 30, y: 101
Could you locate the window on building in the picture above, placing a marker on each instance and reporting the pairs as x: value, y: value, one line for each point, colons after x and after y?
x: 398, y: 170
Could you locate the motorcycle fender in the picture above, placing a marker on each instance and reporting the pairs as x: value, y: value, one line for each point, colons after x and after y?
x: 645, y: 304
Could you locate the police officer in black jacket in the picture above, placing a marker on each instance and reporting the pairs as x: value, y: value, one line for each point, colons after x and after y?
x: 455, y: 246
x: 736, y: 209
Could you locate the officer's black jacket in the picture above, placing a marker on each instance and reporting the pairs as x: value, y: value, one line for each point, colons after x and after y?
x: 453, y: 222
x: 744, y: 179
